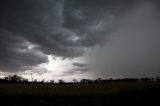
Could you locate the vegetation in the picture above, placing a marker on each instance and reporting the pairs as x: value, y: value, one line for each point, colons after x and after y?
x: 20, y: 79
x: 17, y: 91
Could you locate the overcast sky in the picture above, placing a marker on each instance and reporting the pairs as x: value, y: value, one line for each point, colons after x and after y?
x: 66, y: 39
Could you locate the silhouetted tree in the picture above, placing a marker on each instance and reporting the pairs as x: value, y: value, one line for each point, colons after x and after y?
x: 99, y: 80
x: 15, y: 78
x: 42, y: 81
x: 24, y: 80
x: 158, y: 78
x: 85, y: 81
x: 145, y: 79
x: 35, y: 81
x: 61, y: 81
x: 75, y: 80
x: 6, y: 78
x: 52, y: 81
x: 3, y: 80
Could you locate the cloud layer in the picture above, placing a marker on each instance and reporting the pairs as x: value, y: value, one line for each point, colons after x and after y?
x: 134, y: 49
x: 31, y: 30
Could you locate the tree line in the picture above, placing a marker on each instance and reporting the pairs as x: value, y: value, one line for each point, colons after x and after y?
x: 20, y: 79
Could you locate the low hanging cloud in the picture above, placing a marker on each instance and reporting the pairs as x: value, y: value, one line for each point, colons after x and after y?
x: 77, y: 68
x: 30, y: 30
x: 79, y: 64
x: 80, y: 67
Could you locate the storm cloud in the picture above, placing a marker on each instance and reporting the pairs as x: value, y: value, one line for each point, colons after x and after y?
x: 77, y: 68
x: 79, y: 64
x: 31, y: 30
x: 80, y: 67
x: 134, y: 48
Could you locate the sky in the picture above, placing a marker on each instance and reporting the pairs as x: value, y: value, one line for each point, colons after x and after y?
x: 76, y: 39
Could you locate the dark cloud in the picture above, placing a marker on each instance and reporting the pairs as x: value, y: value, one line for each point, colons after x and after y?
x: 38, y: 71
x: 32, y: 29
x: 93, y: 20
x: 15, y: 54
x: 78, y: 68
x: 74, y: 71
x: 134, y: 49
x: 79, y: 64
x: 85, y: 69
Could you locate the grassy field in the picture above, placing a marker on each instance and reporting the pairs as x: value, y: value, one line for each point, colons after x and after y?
x: 119, y: 93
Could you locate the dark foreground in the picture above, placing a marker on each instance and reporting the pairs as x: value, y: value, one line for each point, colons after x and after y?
x: 131, y: 94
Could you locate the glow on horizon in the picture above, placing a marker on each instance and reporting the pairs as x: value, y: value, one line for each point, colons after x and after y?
x: 55, y: 69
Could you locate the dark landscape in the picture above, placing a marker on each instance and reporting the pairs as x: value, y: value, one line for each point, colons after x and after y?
x: 98, y: 92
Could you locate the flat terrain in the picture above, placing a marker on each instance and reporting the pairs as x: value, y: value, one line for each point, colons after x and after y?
x: 116, y: 93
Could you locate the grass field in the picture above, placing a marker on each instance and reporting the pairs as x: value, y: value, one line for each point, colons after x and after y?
x: 119, y: 93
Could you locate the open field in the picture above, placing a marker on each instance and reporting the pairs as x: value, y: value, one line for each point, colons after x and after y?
x: 119, y: 93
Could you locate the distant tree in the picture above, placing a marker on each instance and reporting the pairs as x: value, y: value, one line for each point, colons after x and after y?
x: 128, y: 80
x: 75, y: 80
x: 83, y: 81
x: 2, y: 80
x: 61, y: 81
x: 42, y: 81
x: 158, y: 78
x: 99, y: 80
x: 86, y: 81
x: 15, y: 78
x: 24, y: 80
x: 35, y: 81
x: 6, y: 78
x: 145, y: 79
x: 52, y: 81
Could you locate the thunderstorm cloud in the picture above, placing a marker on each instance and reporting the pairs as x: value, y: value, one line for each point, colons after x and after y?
x: 32, y: 30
